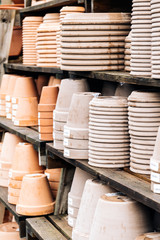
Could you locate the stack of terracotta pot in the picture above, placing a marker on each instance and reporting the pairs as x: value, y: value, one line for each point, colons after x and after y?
x: 93, y: 190
x: 30, y: 26
x: 155, y: 166
x: 108, y: 132
x: 9, y: 231
x: 8, y: 148
x: 28, y: 164
x: 53, y: 176
x: 155, y: 15
x: 149, y: 236
x: 35, y: 196
x: 45, y: 112
x: 60, y: 114
x: 46, y: 40
x: 24, y: 102
x: 89, y: 42
x: 63, y: 12
x: 41, y: 82
x: 10, y: 90
x: 127, y: 52
x: 141, y: 38
x: 144, y: 120
x: 75, y: 194
x: 76, y: 129
x: 3, y: 91
x: 121, y: 211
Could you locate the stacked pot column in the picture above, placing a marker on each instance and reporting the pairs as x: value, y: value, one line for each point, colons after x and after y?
x: 94, y: 41
x: 76, y: 130
x: 20, y: 167
x: 46, y: 41
x: 144, y: 120
x: 10, y: 90
x: 127, y: 52
x: 53, y: 176
x: 8, y: 148
x: 122, y: 211
x: 3, y: 92
x: 75, y: 194
x: 45, y: 112
x: 67, y: 88
x: 155, y: 15
x: 108, y: 132
x: 155, y: 166
x: 24, y: 102
x: 141, y: 38
x: 63, y: 12
x: 30, y: 26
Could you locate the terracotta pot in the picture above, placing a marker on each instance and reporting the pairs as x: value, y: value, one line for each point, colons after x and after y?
x: 67, y: 88
x: 35, y: 196
x: 46, y: 136
x: 92, y: 192
x: 13, y: 200
x: 15, y: 192
x: 45, y: 129
x: 14, y: 183
x: 18, y: 1
x: 27, y: 112
x: 42, y: 81
x: 122, y: 210
x: 54, y: 185
x: 16, y: 42
x: 45, y: 115
x: 49, y: 95
x: 53, y: 174
x: 30, y: 163
x: 54, y: 82
x: 9, y: 231
x: 46, y: 107
x: 8, y: 149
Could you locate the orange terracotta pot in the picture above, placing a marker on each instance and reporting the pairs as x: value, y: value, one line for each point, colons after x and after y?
x: 14, y: 183
x: 18, y: 1
x: 11, y: 86
x: 41, y: 82
x: 9, y: 231
x: 53, y: 174
x: 46, y: 107
x: 8, y: 149
x: 54, y: 81
x: 15, y: 192
x: 46, y: 129
x: 4, y: 86
x: 45, y: 114
x: 54, y: 194
x: 54, y: 185
x: 27, y: 112
x: 12, y: 200
x: 35, y: 196
x: 49, y: 95
x: 45, y: 122
x: 30, y: 163
x: 46, y: 136
x: 16, y: 42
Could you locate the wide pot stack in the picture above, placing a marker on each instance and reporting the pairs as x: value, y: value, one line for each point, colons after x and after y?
x: 63, y: 12
x: 94, y: 41
x: 76, y: 129
x: 67, y: 88
x: 108, y: 132
x: 144, y: 120
x: 30, y: 26
x: 141, y: 38
x: 46, y: 41
x: 155, y: 16
x: 127, y: 57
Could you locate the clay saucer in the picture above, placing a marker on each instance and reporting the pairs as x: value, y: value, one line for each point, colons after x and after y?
x: 101, y: 149
x: 93, y: 33
x: 143, y: 133
x: 140, y: 166
x: 108, y: 133
x: 141, y: 128
x: 109, y: 121
x: 139, y: 151
x: 106, y: 145
x: 93, y: 27
x: 92, y: 51
x: 91, y: 68
x: 105, y: 140
x: 108, y: 161
x: 141, y: 146
x: 46, y: 65
x: 145, y: 110
x: 140, y: 171
x: 142, y: 124
x: 109, y: 165
x: 140, y: 161
x: 144, y: 105
x: 141, y: 156
x: 92, y: 45
x: 92, y: 62
x: 108, y: 152
x: 92, y: 39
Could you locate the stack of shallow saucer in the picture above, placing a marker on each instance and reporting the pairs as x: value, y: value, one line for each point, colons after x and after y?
x: 155, y: 15
x: 94, y: 41
x: 30, y: 26
x: 144, y: 120
x: 63, y: 12
x: 46, y: 41
x: 108, y: 132
x: 141, y: 38
x: 127, y: 56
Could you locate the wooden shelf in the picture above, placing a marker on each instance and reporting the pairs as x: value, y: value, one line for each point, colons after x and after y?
x: 112, y: 76
x: 47, y: 6
x: 123, y: 181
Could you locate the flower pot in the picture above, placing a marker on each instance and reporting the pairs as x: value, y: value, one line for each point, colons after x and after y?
x: 54, y: 82
x: 53, y: 174
x: 14, y: 183
x: 58, y: 144
x: 9, y: 231
x: 16, y: 42
x: 46, y: 136
x: 49, y: 95
x: 46, y: 107
x: 92, y: 192
x: 134, y: 216
x: 35, y: 196
x: 45, y: 122
x: 8, y: 149
x: 75, y: 153
x: 75, y: 143
x: 73, y: 211
x: 71, y: 221
x: 45, y: 129
x: 54, y: 185
x: 58, y: 126
x: 42, y: 81
x: 45, y: 115
x: 13, y: 200
x: 29, y: 165
x: 15, y: 192
x: 27, y: 112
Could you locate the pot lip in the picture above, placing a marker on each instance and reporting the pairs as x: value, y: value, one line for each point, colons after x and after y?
x: 122, y: 198
x: 34, y: 176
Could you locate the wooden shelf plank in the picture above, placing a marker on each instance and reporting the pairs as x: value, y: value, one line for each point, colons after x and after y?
x: 123, y: 181
x: 112, y: 76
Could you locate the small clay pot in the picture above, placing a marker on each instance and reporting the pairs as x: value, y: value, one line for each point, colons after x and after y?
x: 42, y: 81
x: 53, y: 174
x: 49, y: 95
x: 9, y: 231
x: 35, y: 196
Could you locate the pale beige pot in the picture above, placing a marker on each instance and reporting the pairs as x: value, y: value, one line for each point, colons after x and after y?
x: 9, y: 231
x: 67, y: 88
x: 35, y: 196
x: 71, y: 221
x: 155, y: 159
x: 29, y: 164
x: 92, y: 192
x: 75, y: 153
x: 8, y: 148
x: 121, y: 211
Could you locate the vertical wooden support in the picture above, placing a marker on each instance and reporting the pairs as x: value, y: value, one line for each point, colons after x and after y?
x: 42, y: 156
x: 6, y: 27
x: 2, y: 212
x: 64, y: 188
x: 88, y: 5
